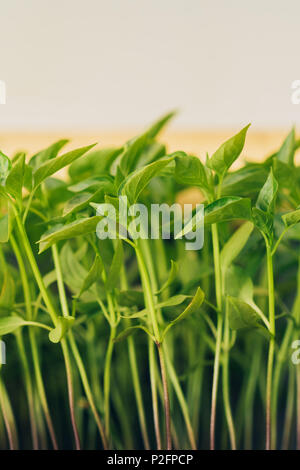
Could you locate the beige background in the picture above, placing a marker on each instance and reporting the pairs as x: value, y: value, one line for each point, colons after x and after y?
x: 259, y: 144
x: 119, y: 64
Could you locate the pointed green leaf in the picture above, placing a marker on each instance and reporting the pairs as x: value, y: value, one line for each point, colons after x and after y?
x: 291, y: 218
x: 224, y: 157
x: 131, y: 298
x: 287, y: 150
x: 241, y: 315
x: 190, y: 170
x: 132, y: 329
x: 47, y: 154
x: 93, y: 275
x: 171, y: 278
x: 10, y: 324
x: 64, y: 232
x: 154, y: 130
x: 235, y: 244
x: 79, y: 202
x: 5, y: 167
x: 50, y: 167
x: 267, y: 197
x: 193, y: 307
x: 137, y: 181
x: 116, y: 265
x: 15, y: 178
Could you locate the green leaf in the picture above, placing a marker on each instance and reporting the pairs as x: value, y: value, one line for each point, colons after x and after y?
x: 235, y: 244
x: 104, y: 182
x: 241, y: 315
x: 130, y: 298
x: 79, y: 202
x: 171, y: 277
x: 129, y: 331
x: 267, y: 197
x: 8, y: 291
x: 263, y: 221
x: 50, y: 167
x: 74, y: 273
x: 246, y: 181
x: 93, y: 275
x: 97, y: 162
x: 226, y: 209
x: 116, y: 265
x: 155, y: 128
x: 291, y: 218
x: 5, y: 167
x: 64, y: 232
x: 224, y: 157
x: 190, y: 170
x: 47, y: 154
x: 63, y: 325
x: 193, y: 307
x: 171, y: 302
x: 284, y: 174
x: 10, y: 324
x: 132, y: 153
x: 15, y: 178
x: 5, y: 228
x: 287, y: 150
x: 223, y: 210
x: 137, y: 181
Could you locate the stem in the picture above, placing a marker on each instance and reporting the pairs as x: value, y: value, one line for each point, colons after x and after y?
x: 154, y: 393
x: 298, y: 406
x: 29, y: 389
x: 135, y: 375
x: 271, y: 346
x: 70, y: 391
x: 289, y: 412
x: 225, y: 369
x: 8, y: 417
x: 52, y: 313
x: 166, y: 396
x: 34, y: 351
x: 87, y: 388
x: 149, y: 301
x: 107, y: 368
x: 76, y: 354
x: 216, y: 253
x: 138, y: 391
x: 41, y: 388
x: 181, y: 398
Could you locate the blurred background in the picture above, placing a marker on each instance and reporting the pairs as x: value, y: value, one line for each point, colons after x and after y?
x: 106, y: 68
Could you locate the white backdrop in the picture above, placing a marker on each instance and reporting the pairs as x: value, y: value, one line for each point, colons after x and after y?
x: 107, y: 64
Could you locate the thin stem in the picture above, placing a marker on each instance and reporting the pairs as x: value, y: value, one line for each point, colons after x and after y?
x: 87, y: 388
x: 135, y: 374
x: 166, y: 396
x: 76, y: 354
x: 29, y: 389
x: 289, y: 412
x: 70, y: 391
x: 41, y: 388
x: 8, y: 417
x: 216, y: 253
x: 153, y: 383
x: 180, y: 396
x: 149, y: 301
x: 107, y: 369
x: 271, y: 346
x: 53, y: 315
x: 36, y: 364
x: 225, y: 370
